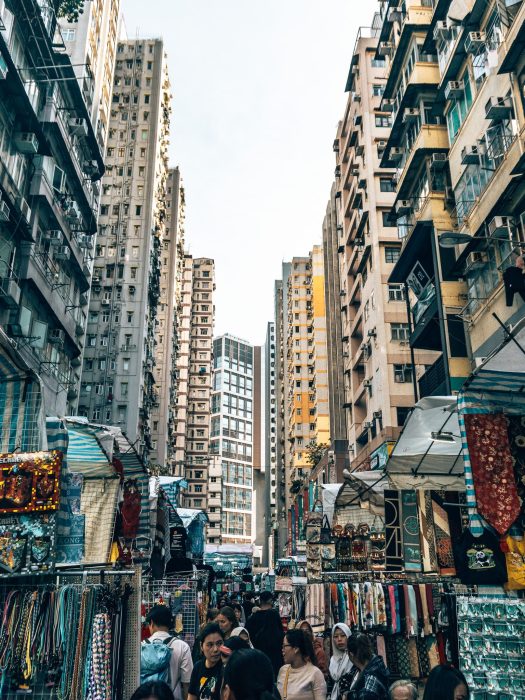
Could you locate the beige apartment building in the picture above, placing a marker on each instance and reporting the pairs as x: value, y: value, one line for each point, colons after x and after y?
x: 169, y: 317
x: 197, y: 457
x: 91, y: 44
x: 454, y: 89
x: 118, y: 379
x: 379, y: 368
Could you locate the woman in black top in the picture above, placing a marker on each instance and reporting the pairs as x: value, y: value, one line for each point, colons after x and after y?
x: 206, y: 677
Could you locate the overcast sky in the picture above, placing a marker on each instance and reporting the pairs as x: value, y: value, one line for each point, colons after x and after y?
x: 258, y: 90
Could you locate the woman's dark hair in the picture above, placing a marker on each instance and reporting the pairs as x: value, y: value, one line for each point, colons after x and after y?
x: 229, y: 614
x: 210, y: 628
x: 153, y: 689
x: 212, y: 614
x: 236, y: 606
x: 236, y: 643
x: 303, y: 642
x: 249, y: 675
x: 360, y: 646
x: 442, y: 682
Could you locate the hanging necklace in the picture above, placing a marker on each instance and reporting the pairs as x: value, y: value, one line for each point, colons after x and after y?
x: 68, y: 628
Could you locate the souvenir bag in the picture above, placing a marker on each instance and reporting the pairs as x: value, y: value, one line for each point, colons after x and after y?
x: 313, y: 524
x: 515, y: 559
x: 328, y: 557
x: 326, y: 532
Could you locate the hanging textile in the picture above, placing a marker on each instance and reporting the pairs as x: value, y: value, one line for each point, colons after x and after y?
x: 493, y: 469
x: 410, y: 532
x: 444, y: 550
x: 394, y: 542
x: 427, y: 533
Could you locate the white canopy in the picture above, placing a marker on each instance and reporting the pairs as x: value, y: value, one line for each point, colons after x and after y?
x: 430, y: 443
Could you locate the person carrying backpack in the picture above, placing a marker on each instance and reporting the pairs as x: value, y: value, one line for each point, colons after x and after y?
x: 163, y: 657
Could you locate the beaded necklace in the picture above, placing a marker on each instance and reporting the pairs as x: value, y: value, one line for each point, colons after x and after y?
x: 68, y: 624
x: 10, y: 614
x: 99, y: 687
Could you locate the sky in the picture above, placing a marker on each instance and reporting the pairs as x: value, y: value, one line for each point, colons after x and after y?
x: 258, y: 89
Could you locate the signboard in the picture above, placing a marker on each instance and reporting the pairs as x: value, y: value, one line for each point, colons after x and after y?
x: 178, y: 537
x: 418, y: 279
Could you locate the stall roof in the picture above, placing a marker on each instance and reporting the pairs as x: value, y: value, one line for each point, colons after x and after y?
x: 362, y: 486
x: 430, y: 442
x: 504, y: 370
x: 85, y: 455
x: 189, y: 515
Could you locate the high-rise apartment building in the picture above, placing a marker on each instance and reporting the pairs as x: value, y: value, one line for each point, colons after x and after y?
x: 183, y: 366
x: 235, y: 413
x: 281, y: 393
x: 169, y: 319
x: 50, y: 165
x: 197, y: 454
x: 118, y: 380
x: 377, y: 363
x: 91, y: 44
x: 271, y: 445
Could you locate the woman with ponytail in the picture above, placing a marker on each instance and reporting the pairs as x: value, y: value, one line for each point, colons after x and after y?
x: 248, y: 676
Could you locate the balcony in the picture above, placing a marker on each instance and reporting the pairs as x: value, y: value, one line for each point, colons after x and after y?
x: 423, y: 76
x: 431, y: 138
x: 513, y: 46
x: 434, y: 380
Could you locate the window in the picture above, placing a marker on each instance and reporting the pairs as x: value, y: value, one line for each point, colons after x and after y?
x: 378, y: 63
x: 402, y: 413
x: 378, y: 90
x: 386, y: 184
x: 69, y: 34
x: 383, y: 121
x: 385, y: 216
x: 124, y: 390
x: 396, y: 292
x: 125, y: 364
x: 459, y: 108
x: 402, y: 374
x: 399, y: 331
x: 146, y: 99
x: 392, y: 254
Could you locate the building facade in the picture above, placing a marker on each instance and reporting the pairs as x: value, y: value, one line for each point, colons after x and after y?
x: 453, y: 89
x: 379, y: 368
x: 91, y: 44
x: 197, y: 454
x: 50, y: 167
x: 118, y: 380
x: 168, y: 326
x: 271, y: 446
x: 236, y: 387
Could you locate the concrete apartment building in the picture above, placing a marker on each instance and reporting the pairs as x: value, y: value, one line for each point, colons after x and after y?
x: 91, y: 44
x: 453, y: 89
x: 197, y: 456
x: 235, y: 415
x: 118, y: 381
x: 50, y: 167
x: 271, y: 445
x: 333, y: 303
x: 377, y: 362
x: 169, y: 317
x: 183, y: 366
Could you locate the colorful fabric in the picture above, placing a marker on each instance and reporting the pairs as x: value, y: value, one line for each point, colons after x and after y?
x: 394, y: 542
x: 444, y: 550
x: 30, y: 482
x: 493, y: 469
x: 475, y: 521
x: 517, y: 448
x: 410, y: 531
x: 427, y: 534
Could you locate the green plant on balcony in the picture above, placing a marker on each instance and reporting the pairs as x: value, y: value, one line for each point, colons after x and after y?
x: 314, y: 452
x: 69, y: 9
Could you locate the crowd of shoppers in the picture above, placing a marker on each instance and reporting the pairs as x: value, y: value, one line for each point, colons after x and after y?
x: 258, y: 661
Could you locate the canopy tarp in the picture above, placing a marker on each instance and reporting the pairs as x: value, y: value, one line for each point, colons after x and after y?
x: 430, y: 442
x: 362, y: 489
x: 85, y: 455
x: 328, y: 495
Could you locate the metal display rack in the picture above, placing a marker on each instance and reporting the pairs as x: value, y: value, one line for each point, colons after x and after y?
x: 83, y: 578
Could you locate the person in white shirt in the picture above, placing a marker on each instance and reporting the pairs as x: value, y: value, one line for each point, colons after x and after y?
x: 160, y: 621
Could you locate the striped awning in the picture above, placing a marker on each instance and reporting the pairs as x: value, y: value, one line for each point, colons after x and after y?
x: 85, y: 456
x: 22, y: 421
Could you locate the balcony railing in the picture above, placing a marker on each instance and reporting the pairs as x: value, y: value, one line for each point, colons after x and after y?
x: 433, y: 382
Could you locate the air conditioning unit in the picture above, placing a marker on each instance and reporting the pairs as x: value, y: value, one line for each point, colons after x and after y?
x: 368, y: 424
x: 105, y: 302
x: 476, y: 260
x: 438, y: 161
x: 385, y: 48
x: 441, y: 30
x: 454, y: 89
x: 25, y: 209
x: 346, y: 355
x: 54, y: 236
x: 356, y: 97
x: 84, y: 241
x: 500, y: 227
x: 378, y: 414
x: 26, y: 142
x: 387, y: 105
x: 498, y: 108
x: 72, y: 214
x: 78, y: 127
x: 91, y: 167
x: 355, y: 171
x: 56, y: 336
x: 4, y: 211
x: 475, y: 41
x: 470, y: 155
x: 410, y: 114
x: 372, y: 333
x: 362, y: 184
x: 396, y: 154
x: 9, y: 292
x: 403, y: 206
x: 63, y: 252
x: 394, y: 14
x: 367, y: 383
x: 3, y: 68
